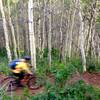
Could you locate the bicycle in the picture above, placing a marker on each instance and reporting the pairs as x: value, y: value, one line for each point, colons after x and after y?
x: 32, y: 81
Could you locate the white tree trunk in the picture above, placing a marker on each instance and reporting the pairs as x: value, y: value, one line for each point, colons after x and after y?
x: 61, y: 34
x: 98, y: 47
x: 49, y: 37
x: 39, y: 29
x: 18, y: 36
x: 12, y: 30
x: 31, y: 34
x: 43, y: 34
x: 66, y: 39
x: 5, y: 31
x: 82, y: 38
x: 91, y: 31
x: 71, y: 28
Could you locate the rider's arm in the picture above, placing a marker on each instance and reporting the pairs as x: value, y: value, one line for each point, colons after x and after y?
x: 26, y: 68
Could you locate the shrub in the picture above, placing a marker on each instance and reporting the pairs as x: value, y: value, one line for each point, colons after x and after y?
x: 78, y: 91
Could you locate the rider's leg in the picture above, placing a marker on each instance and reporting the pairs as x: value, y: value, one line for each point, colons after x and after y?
x: 20, y: 77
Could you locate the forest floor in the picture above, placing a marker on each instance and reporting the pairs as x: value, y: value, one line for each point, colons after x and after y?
x: 88, y: 78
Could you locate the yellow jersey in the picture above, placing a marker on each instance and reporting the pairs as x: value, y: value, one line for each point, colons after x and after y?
x: 22, y: 66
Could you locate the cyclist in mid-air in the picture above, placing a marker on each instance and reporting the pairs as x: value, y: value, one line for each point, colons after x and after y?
x: 19, y: 67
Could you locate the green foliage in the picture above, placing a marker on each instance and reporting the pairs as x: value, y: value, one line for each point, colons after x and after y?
x: 55, y: 54
x: 21, y: 53
x: 98, y: 19
x: 81, y: 91
x: 78, y: 91
x: 45, y: 54
x: 93, y: 65
x: 42, y: 96
x: 62, y: 72
x: 4, y: 65
x: 76, y: 62
x: 67, y: 3
x: 25, y: 95
x: 11, y: 2
x: 3, y: 52
x: 15, y: 1
x: 86, y: 1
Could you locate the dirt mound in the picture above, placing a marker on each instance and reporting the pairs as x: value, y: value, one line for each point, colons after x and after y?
x: 92, y: 78
x: 89, y: 78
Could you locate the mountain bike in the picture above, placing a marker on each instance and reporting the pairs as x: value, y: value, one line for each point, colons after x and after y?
x: 8, y: 83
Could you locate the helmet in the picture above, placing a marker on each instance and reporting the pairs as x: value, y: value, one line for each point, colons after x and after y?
x: 27, y: 58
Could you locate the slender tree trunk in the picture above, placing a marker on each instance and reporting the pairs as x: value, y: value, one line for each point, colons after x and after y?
x: 49, y: 37
x: 93, y: 52
x: 17, y: 31
x: 89, y: 39
x: 31, y: 34
x: 12, y: 30
x: 98, y: 47
x: 39, y: 29
x: 91, y: 30
x: 25, y: 14
x: 67, y: 38
x: 43, y: 34
x: 71, y: 28
x: 82, y: 38
x: 18, y: 36
x: 5, y: 31
x: 27, y: 39
x: 61, y: 35
x: 98, y: 39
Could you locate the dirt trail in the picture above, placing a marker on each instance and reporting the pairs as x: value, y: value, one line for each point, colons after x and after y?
x: 89, y: 78
x: 19, y: 91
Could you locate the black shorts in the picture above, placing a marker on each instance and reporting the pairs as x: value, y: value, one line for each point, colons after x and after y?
x: 19, y: 75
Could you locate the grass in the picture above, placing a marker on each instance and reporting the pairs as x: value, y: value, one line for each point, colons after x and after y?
x: 4, y: 65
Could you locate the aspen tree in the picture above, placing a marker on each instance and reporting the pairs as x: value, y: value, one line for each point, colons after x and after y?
x: 61, y: 33
x: 12, y: 29
x: 91, y: 30
x: 5, y: 31
x: 31, y: 34
x: 82, y: 38
x: 71, y: 27
x: 39, y: 28
x: 49, y: 36
x: 43, y: 34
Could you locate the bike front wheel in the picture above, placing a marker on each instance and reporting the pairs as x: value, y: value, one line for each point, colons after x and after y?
x: 8, y: 84
x: 35, y: 83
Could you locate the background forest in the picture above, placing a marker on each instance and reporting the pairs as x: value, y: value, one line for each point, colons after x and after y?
x: 62, y: 37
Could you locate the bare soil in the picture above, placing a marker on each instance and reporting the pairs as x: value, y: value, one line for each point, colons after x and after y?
x: 88, y: 78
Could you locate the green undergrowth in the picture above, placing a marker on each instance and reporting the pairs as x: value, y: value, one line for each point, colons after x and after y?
x: 78, y: 91
x: 4, y: 65
x: 93, y: 65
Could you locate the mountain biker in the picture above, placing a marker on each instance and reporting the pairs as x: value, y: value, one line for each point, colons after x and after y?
x: 19, y: 67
